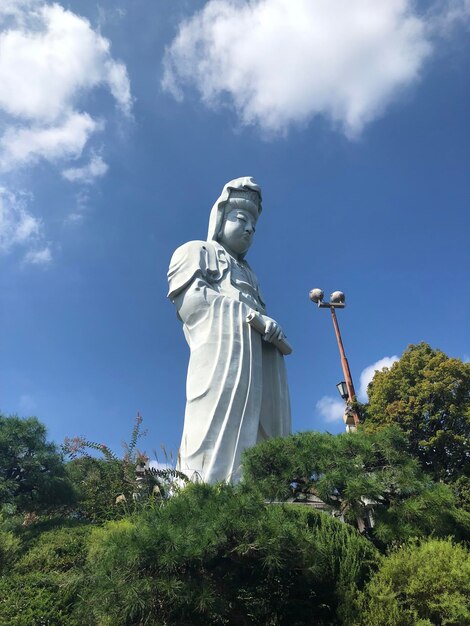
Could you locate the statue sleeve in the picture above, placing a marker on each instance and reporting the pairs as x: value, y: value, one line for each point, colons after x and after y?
x: 195, y: 269
x: 195, y: 258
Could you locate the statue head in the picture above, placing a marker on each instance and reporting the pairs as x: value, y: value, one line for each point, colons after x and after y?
x: 234, y: 215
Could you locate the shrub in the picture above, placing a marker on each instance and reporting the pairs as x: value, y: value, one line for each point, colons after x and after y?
x: 98, y: 482
x: 110, y: 487
x: 43, y: 585
x: 9, y: 549
x: 420, y: 584
x: 219, y: 555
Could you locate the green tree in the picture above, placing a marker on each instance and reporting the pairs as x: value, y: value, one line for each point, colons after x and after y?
x: 220, y: 555
x: 32, y: 473
x: 425, y: 584
x: 353, y: 473
x: 427, y: 394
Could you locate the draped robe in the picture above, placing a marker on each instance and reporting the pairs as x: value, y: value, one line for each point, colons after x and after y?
x: 236, y: 387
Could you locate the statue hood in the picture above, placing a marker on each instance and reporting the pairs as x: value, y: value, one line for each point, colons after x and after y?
x: 217, y: 213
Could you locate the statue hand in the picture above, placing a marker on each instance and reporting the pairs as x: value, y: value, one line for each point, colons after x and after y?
x: 272, y: 330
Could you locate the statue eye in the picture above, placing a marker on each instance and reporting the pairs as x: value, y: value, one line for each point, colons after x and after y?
x: 241, y: 217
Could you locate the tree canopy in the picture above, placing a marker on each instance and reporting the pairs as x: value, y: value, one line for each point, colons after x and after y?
x: 427, y: 394
x: 356, y: 472
x: 32, y: 473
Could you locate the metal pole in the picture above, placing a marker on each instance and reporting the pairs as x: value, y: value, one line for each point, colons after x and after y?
x: 344, y: 364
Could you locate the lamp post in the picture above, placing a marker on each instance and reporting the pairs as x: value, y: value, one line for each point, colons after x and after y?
x: 346, y: 388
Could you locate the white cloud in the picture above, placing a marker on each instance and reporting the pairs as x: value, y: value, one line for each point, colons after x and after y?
x: 367, y: 374
x: 87, y: 174
x: 19, y: 229
x: 74, y: 218
x: 331, y: 409
x: 50, y: 59
x: 282, y: 62
x: 159, y: 466
x: 448, y: 15
x: 15, y: 7
x: 25, y: 144
x: 42, y: 256
x: 119, y: 85
x: 17, y: 225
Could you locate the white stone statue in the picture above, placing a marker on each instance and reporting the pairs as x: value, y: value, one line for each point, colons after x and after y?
x: 236, y: 387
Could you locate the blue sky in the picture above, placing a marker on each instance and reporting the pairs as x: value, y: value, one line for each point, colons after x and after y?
x: 120, y: 124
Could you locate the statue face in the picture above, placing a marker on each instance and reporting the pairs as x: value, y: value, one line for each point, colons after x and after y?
x: 239, y: 226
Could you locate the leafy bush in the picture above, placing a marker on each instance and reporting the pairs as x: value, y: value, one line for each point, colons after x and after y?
x: 98, y: 482
x: 219, y: 555
x: 110, y: 487
x: 424, y: 584
x: 44, y: 583
x: 9, y: 549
